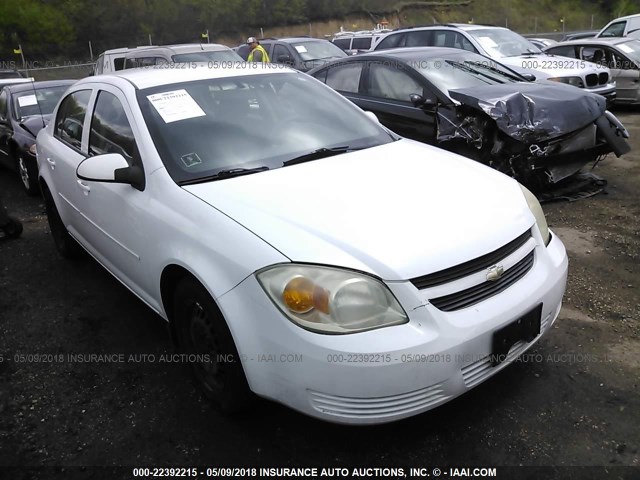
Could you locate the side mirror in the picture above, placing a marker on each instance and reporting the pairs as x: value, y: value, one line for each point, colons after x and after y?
x: 420, y: 101
x: 529, y: 77
x: 284, y: 59
x: 111, y: 168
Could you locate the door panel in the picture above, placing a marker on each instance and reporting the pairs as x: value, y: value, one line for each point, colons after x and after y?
x: 386, y: 94
x: 116, y: 214
x: 63, y: 155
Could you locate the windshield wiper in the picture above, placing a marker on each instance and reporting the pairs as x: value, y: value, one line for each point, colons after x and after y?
x: 222, y: 174
x: 531, y: 52
x: 319, y: 153
x: 467, y: 68
x: 497, y: 70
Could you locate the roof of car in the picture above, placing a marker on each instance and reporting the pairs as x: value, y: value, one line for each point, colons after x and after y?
x: 294, y: 39
x: 627, y: 17
x: 152, y: 77
x: 178, y: 48
x: 407, y: 54
x: 597, y: 41
x: 21, y: 87
x: 461, y: 26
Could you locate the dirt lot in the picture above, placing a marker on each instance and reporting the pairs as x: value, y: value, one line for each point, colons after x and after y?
x: 573, y: 402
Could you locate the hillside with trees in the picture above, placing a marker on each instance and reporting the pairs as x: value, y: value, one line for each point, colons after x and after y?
x: 64, y: 28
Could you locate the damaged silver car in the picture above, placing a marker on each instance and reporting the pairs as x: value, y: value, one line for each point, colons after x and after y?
x: 538, y: 132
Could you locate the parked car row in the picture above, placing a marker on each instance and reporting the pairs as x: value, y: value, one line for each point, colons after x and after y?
x: 539, y: 133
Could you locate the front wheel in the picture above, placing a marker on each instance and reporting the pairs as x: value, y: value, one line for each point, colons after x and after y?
x: 203, y: 334
x: 28, y: 175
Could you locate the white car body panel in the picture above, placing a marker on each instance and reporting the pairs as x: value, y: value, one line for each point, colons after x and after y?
x: 318, y: 220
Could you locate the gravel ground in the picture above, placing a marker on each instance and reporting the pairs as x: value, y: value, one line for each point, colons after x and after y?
x: 573, y: 402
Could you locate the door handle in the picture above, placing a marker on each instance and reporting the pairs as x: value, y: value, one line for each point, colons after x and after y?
x: 84, y: 187
x: 52, y: 163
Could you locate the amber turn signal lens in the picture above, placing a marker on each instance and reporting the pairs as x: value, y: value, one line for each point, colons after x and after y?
x: 298, y: 295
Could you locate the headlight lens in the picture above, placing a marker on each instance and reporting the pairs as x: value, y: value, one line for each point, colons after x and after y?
x: 536, y: 209
x: 575, y: 81
x: 331, y: 300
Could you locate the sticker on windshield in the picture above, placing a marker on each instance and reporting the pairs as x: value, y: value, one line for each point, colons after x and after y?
x: 190, y: 159
x: 487, y: 42
x: 301, y: 49
x: 175, y: 105
x: 625, y: 48
x: 27, y: 100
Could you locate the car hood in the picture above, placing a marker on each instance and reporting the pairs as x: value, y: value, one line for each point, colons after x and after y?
x: 533, y: 112
x: 34, y: 123
x: 398, y: 211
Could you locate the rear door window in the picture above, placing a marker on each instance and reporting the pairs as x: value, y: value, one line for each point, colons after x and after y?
x: 422, y: 38
x: 362, y: 43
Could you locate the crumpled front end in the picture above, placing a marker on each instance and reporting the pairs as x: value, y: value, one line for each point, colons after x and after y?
x: 538, y: 135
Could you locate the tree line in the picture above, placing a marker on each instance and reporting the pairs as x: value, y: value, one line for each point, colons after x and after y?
x: 63, y: 28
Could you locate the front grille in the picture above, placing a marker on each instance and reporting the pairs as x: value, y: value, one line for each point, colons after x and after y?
x: 478, y: 293
x: 592, y: 80
x: 603, y: 78
x: 472, y: 266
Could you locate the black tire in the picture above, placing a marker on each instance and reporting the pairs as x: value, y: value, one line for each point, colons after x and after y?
x: 65, y: 244
x: 28, y: 174
x: 201, y: 330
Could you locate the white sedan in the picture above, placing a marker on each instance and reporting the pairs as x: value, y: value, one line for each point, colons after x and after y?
x: 298, y: 249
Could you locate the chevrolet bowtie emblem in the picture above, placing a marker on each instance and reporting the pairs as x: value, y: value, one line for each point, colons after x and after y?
x: 494, y: 273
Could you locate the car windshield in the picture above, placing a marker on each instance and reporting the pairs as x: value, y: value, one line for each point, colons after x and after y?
x: 206, y: 56
x: 205, y: 127
x: 500, y: 42
x: 41, y: 101
x: 456, y: 72
x: 631, y: 49
x: 318, y: 50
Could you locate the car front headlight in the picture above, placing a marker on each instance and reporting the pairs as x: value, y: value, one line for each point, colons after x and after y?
x: 536, y: 209
x: 575, y: 81
x: 331, y: 300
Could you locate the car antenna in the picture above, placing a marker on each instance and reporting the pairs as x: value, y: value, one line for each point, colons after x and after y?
x: 37, y: 103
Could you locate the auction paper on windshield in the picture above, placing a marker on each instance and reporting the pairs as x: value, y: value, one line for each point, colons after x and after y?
x: 175, y: 105
x: 27, y: 100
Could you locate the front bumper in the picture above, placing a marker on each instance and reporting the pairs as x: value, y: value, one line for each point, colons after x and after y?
x: 389, y: 373
x: 608, y: 91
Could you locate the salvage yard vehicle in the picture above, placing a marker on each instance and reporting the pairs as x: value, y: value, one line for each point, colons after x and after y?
x: 25, y: 109
x: 301, y: 53
x: 166, y: 55
x: 628, y: 26
x: 537, y: 132
x: 320, y: 260
x: 620, y: 55
x: 508, y: 48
